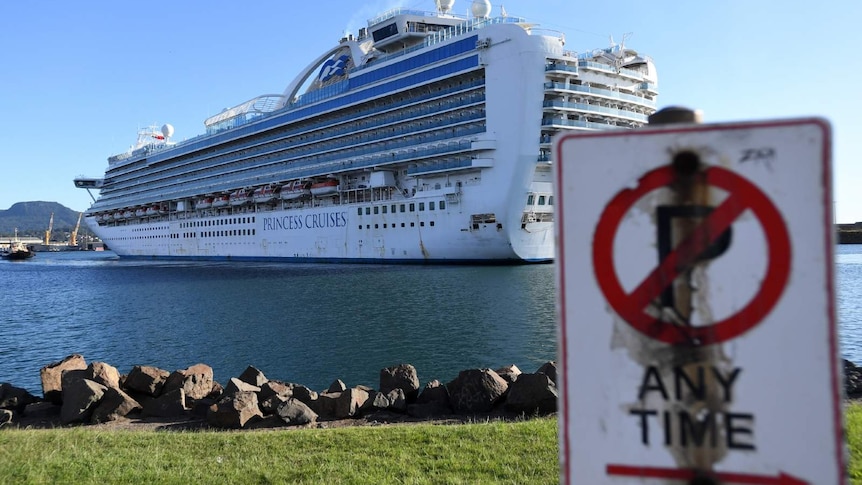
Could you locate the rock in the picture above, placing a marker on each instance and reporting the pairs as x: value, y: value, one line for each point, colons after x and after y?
x: 105, y: 374
x: 114, y: 404
x: 217, y: 391
x: 273, y: 388
x: 272, y: 421
x: 306, y: 395
x: 270, y: 405
x: 146, y: 379
x: 852, y: 379
x: 350, y: 402
x: 550, y: 370
x: 476, y: 390
x: 402, y: 377
x: 427, y: 410
x: 294, y: 412
x: 337, y: 386
x: 80, y: 397
x: 234, y: 410
x: 170, y: 404
x: 325, y: 405
x: 51, y: 374
x: 235, y: 385
x: 251, y: 375
x: 532, y: 393
x: 6, y: 416
x: 41, y: 409
x: 196, y: 381
x: 509, y: 373
x: 397, y: 400
x: 377, y: 401
x: 15, y: 398
x: 434, y: 392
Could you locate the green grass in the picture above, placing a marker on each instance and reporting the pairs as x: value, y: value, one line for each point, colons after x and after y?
x: 496, y: 452
x: 516, y: 453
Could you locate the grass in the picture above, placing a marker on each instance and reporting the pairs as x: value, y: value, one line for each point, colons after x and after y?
x: 497, y: 452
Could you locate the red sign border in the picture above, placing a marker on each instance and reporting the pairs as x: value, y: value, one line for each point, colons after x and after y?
x: 774, y: 282
x: 825, y: 180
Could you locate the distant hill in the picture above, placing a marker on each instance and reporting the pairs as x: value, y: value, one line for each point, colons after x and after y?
x: 31, y: 219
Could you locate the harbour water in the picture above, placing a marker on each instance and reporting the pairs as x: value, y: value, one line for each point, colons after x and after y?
x: 303, y: 323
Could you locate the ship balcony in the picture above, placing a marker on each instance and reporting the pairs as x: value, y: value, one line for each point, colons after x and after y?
x: 567, y: 124
x: 559, y: 68
x: 650, y: 88
x: 552, y: 87
x: 597, y: 66
x: 558, y: 106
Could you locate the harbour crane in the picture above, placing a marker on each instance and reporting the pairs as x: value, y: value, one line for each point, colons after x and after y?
x: 73, y: 238
x: 48, y: 232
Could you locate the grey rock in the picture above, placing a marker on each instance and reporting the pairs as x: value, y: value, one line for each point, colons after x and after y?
x: 15, y: 398
x: 52, y: 374
x: 115, y: 404
x: 251, y: 375
x: 550, y: 370
x: 234, y: 410
x: 350, y: 402
x: 235, y: 386
x: 402, y: 376
x: 146, y: 379
x: 169, y: 405
x: 80, y: 397
x: 509, y: 373
x: 294, y: 412
x: 397, y: 400
x: 337, y: 386
x: 196, y: 381
x: 532, y: 393
x: 105, y: 374
x: 476, y: 391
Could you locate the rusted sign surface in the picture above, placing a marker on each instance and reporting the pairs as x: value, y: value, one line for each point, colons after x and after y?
x: 697, y: 331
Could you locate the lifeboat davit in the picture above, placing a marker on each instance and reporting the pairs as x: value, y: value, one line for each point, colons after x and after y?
x: 204, y: 203
x: 325, y: 188
x: 265, y: 194
x: 221, y: 201
x: 295, y: 190
x: 239, y: 197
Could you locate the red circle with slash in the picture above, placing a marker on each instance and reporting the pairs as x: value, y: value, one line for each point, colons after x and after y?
x: 631, y: 307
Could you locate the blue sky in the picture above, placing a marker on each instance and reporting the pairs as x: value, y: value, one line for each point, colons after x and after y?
x: 77, y: 79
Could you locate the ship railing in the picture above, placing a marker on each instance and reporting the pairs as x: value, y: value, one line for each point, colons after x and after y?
x: 386, y: 142
x: 257, y: 174
x: 350, y: 117
x: 561, y: 67
x: 611, y: 69
x: 581, y: 124
x: 405, y: 11
x: 594, y: 108
x: 601, y: 92
x: 317, y: 134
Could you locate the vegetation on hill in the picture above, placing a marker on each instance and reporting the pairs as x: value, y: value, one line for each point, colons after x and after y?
x: 31, y: 219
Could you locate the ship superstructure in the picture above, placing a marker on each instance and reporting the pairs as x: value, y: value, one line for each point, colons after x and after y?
x: 425, y: 137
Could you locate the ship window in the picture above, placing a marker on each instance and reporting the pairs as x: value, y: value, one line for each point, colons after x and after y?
x: 422, y: 224
x: 360, y: 226
x: 550, y: 200
x: 384, y: 226
x: 422, y: 206
x: 442, y: 204
x: 412, y: 207
x: 393, y: 208
x: 412, y: 224
x: 402, y: 224
x: 402, y: 207
x: 530, y: 199
x: 431, y: 206
x: 541, y: 200
x: 376, y: 226
x: 359, y: 211
x: 431, y: 223
x: 368, y: 211
x: 384, y: 209
x: 368, y: 226
x: 376, y: 209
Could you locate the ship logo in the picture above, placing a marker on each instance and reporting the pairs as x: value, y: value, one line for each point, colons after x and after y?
x: 333, y: 67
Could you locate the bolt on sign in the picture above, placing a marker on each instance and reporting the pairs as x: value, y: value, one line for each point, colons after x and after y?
x: 697, y: 325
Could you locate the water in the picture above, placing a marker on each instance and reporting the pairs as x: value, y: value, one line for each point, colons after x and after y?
x: 305, y: 323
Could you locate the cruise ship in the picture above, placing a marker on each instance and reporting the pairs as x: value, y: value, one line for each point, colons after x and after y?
x: 424, y: 137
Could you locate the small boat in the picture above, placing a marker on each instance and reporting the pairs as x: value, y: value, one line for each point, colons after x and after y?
x: 221, y: 201
x: 128, y: 214
x: 117, y: 216
x: 152, y: 210
x: 239, y: 197
x: 296, y: 189
x: 17, y: 250
x: 204, y: 203
x: 325, y: 188
x: 140, y: 212
x: 265, y: 194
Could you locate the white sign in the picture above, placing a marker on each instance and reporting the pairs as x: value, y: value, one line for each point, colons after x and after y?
x: 697, y: 322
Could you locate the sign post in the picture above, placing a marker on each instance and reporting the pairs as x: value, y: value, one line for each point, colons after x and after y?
x: 697, y: 327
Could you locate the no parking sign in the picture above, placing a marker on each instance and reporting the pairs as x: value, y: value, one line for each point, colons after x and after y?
x: 697, y: 330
